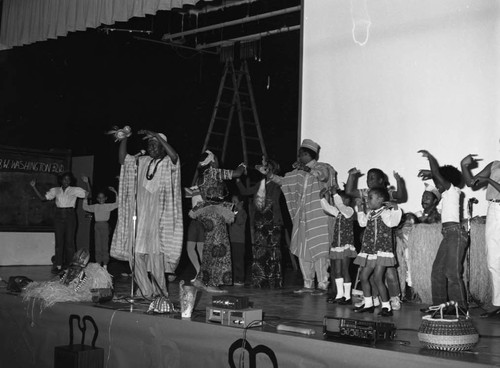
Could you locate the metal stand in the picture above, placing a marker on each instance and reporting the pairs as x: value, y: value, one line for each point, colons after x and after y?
x: 472, y: 302
x: 132, y: 299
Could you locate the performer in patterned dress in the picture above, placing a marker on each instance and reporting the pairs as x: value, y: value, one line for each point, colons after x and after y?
x: 214, y: 213
x: 376, y: 252
x: 342, y: 250
x: 268, y: 227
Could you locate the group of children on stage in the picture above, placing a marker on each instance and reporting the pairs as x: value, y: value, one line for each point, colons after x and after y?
x: 377, y: 212
x: 375, y: 209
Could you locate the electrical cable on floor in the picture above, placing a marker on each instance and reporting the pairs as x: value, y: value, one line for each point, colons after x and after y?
x: 109, y: 330
x: 490, y: 336
x: 241, y: 361
x: 109, y: 336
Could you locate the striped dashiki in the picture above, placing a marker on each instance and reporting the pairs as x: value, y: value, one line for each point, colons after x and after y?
x: 159, y: 211
x: 311, y: 235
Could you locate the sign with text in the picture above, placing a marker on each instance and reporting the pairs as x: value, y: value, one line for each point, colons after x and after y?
x: 21, y: 209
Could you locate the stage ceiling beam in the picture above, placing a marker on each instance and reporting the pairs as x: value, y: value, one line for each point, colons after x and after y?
x: 169, y: 37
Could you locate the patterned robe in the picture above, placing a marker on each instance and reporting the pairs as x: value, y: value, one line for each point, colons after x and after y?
x: 311, y: 235
x: 159, y: 211
x: 215, y: 214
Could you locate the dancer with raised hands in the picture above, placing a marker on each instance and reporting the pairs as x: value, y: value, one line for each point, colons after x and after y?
x: 376, y: 178
x: 376, y: 253
x: 65, y: 223
x: 311, y: 235
x: 149, y: 229
x: 342, y: 251
x: 447, y: 281
x: 214, y: 212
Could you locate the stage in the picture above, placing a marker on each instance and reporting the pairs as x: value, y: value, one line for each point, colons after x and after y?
x: 132, y: 338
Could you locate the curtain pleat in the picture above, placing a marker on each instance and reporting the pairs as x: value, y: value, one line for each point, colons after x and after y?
x: 27, y: 21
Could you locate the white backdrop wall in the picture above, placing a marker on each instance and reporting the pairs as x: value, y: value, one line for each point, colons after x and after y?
x: 383, y: 79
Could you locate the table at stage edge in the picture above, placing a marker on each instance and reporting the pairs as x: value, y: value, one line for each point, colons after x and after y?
x: 135, y: 340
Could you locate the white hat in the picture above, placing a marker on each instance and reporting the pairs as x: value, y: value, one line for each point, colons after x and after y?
x: 210, y: 158
x: 433, y: 190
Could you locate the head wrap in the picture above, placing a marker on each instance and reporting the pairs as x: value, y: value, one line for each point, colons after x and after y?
x: 433, y: 190
x: 310, y: 144
x: 210, y: 158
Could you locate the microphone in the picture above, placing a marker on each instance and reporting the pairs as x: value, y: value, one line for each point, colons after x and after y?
x: 140, y: 153
x: 473, y: 200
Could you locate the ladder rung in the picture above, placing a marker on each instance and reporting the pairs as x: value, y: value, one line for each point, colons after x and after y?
x: 225, y: 104
x: 254, y: 153
x: 218, y: 133
x: 214, y: 148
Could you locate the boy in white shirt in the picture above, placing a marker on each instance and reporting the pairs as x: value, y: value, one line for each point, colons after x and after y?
x: 447, y: 270
x: 65, y: 198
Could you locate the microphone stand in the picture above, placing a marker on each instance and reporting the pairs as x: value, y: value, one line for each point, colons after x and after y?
x: 132, y: 298
x: 472, y: 302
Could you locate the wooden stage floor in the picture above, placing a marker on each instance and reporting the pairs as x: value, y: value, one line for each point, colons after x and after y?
x: 283, y: 306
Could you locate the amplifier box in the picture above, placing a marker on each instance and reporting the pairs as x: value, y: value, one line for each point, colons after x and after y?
x: 358, y: 330
x: 230, y: 301
x: 234, y: 317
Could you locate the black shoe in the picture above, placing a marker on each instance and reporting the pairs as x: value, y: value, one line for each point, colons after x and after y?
x: 332, y: 300
x: 385, y: 312
x: 427, y: 310
x: 345, y: 301
x: 362, y: 309
x: 491, y: 314
x: 55, y: 270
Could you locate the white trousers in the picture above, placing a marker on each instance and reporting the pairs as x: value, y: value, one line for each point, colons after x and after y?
x: 492, y: 235
x: 320, y: 268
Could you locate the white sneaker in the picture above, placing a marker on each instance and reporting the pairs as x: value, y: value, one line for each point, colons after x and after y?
x: 395, y: 303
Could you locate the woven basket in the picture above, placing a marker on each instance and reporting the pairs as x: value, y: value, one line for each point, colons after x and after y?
x: 455, y: 334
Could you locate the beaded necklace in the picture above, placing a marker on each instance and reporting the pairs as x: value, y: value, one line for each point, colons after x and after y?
x: 151, y: 176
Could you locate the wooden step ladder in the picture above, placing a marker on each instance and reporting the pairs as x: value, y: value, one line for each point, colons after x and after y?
x: 235, y: 97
